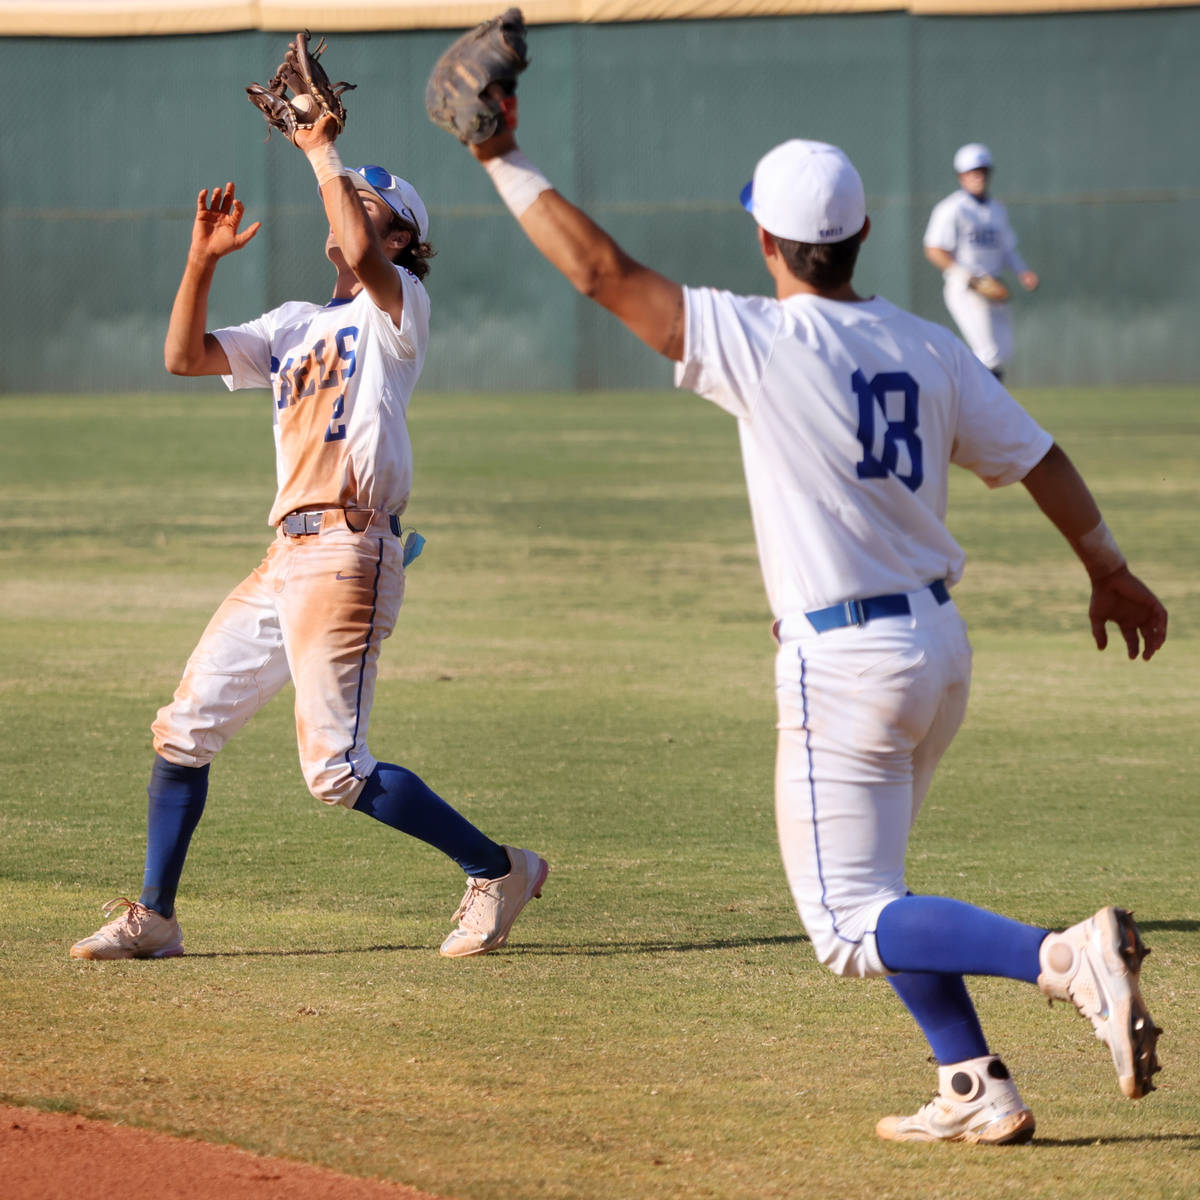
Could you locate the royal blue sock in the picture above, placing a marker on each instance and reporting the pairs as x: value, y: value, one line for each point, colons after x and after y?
x: 177, y: 795
x: 397, y: 797
x: 943, y: 1009
x: 934, y: 933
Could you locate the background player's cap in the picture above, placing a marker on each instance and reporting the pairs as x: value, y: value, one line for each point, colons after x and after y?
x: 806, y: 192
x: 398, y: 194
x: 972, y: 157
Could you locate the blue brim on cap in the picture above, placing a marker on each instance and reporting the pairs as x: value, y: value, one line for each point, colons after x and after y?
x: 746, y: 196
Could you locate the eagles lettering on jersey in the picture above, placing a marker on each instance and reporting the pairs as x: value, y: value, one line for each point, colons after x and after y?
x: 341, y: 376
x: 976, y: 232
x: 984, y: 236
x: 320, y: 375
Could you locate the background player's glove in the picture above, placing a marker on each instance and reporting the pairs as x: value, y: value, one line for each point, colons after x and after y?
x: 493, y: 52
x: 989, y: 287
x: 312, y: 94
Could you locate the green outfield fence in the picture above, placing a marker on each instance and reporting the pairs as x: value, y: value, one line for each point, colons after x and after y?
x: 653, y: 127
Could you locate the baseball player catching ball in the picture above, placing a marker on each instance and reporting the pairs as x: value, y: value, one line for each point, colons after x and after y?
x: 850, y: 413
x: 319, y: 606
x: 970, y: 241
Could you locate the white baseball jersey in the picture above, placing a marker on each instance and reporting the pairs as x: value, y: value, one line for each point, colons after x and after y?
x: 318, y: 608
x: 976, y: 232
x: 848, y: 415
x: 342, y: 375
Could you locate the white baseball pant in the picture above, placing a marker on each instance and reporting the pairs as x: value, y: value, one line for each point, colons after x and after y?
x: 985, y: 326
x: 865, y: 714
x: 315, y: 611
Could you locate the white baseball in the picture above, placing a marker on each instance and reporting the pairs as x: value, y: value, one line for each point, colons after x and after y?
x: 305, y: 106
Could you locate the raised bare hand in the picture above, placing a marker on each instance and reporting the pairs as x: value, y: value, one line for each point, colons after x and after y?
x: 215, y: 231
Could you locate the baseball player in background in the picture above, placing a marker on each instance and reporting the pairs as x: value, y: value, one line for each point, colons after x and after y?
x: 850, y: 412
x: 970, y: 241
x: 319, y: 606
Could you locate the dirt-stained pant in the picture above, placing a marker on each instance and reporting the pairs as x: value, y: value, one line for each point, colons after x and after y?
x: 865, y: 714
x: 315, y: 611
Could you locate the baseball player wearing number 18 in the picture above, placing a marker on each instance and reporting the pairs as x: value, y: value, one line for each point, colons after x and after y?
x: 318, y: 608
x: 850, y: 413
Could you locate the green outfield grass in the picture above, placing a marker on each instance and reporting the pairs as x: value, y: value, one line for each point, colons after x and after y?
x: 583, y: 666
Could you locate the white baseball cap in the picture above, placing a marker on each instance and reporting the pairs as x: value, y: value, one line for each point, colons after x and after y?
x: 972, y: 157
x: 806, y: 192
x: 398, y: 194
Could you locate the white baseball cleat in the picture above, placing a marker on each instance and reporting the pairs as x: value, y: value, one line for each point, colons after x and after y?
x: 138, y: 932
x: 976, y: 1101
x: 1095, y: 965
x: 490, y: 906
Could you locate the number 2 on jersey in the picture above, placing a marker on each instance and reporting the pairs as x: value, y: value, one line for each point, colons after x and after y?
x: 345, y: 343
x: 881, y: 456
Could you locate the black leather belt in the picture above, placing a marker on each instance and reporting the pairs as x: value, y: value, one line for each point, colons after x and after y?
x: 859, y: 612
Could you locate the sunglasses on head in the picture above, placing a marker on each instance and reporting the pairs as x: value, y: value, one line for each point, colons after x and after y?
x: 384, y: 181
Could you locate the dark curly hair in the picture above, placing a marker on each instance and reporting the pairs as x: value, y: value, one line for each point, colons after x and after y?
x: 414, y: 257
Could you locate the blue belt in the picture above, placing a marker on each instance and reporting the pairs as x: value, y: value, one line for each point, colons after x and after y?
x: 859, y: 612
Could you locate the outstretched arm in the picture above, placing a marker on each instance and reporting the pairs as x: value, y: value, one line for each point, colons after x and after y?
x: 649, y: 304
x: 189, y: 349
x: 1117, y: 594
x: 364, y: 250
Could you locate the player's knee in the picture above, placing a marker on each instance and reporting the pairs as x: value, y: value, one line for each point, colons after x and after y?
x: 848, y: 955
x: 341, y: 793
x: 340, y: 784
x: 183, y: 748
x: 844, y: 959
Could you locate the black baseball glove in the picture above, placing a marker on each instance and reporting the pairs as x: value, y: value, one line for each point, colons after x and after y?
x: 493, y: 52
x: 312, y: 94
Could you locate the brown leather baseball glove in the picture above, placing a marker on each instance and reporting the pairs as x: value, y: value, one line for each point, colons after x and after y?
x: 312, y: 94
x: 989, y: 287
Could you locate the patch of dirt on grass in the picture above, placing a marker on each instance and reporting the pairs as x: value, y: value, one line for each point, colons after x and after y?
x: 60, y: 1156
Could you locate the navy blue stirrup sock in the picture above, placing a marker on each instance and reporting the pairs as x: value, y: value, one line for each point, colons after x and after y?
x: 943, y: 1009
x: 934, y: 933
x: 177, y: 795
x: 397, y: 797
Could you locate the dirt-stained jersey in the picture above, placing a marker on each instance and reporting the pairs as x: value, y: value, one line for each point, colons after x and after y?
x: 342, y: 376
x: 849, y: 414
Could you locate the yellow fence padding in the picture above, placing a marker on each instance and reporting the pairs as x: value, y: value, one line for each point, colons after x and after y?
x: 148, y: 18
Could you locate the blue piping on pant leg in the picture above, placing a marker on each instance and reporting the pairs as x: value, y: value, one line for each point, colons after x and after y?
x: 812, y: 792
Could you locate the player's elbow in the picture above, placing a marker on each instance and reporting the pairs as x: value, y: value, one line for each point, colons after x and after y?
x: 185, y: 358
x: 603, y: 275
x: 361, y: 252
x: 593, y: 281
x: 190, y: 364
x: 358, y: 257
x: 178, y: 363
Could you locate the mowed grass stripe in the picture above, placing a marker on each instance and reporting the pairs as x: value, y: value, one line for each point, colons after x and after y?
x: 583, y: 665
